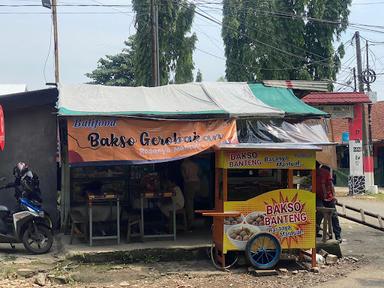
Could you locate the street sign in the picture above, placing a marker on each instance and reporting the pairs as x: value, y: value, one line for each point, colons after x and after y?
x: 345, y: 137
x: 2, y: 129
x: 46, y: 3
x: 356, y: 158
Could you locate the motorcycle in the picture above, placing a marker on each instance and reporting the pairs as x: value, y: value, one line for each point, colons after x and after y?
x: 29, y: 225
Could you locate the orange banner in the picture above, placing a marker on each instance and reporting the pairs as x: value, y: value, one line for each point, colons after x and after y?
x: 121, y: 139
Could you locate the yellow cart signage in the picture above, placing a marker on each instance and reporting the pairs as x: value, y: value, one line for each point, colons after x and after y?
x: 289, y: 214
x: 263, y: 159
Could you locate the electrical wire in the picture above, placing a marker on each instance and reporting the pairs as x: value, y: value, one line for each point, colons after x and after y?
x: 49, y: 51
x: 216, y: 21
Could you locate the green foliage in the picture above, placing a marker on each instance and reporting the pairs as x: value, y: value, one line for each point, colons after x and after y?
x: 176, y: 48
x: 320, y: 36
x: 270, y: 39
x: 199, y: 76
x: 116, y: 70
x: 132, y: 67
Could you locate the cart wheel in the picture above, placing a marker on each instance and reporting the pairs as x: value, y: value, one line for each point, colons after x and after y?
x: 230, y: 261
x: 263, y: 250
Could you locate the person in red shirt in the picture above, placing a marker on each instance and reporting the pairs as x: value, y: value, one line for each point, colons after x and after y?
x: 325, y: 197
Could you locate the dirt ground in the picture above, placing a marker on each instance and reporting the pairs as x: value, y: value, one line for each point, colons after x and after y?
x: 362, y: 247
x: 31, y: 273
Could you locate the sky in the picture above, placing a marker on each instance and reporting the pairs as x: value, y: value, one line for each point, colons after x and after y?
x: 88, y: 33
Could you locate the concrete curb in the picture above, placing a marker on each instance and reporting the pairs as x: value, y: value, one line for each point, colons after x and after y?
x: 146, y: 255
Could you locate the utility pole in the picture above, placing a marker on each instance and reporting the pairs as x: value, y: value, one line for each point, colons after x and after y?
x: 371, y: 175
x: 354, y: 79
x: 367, y: 155
x: 359, y: 65
x: 367, y: 52
x: 155, y: 43
x: 56, y: 41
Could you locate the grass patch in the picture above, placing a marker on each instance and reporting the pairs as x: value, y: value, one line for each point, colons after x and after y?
x: 379, y: 197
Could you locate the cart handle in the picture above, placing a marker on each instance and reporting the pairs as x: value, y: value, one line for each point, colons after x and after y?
x: 213, y: 213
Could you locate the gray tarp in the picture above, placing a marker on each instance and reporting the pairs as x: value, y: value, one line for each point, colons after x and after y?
x: 224, y: 99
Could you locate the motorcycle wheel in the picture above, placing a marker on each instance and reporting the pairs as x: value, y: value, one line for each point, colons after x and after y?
x: 37, y: 242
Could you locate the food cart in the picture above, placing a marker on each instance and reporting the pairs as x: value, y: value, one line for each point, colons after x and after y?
x: 264, y: 202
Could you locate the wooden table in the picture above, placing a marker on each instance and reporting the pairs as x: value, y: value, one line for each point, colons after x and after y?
x: 150, y: 195
x: 100, y: 200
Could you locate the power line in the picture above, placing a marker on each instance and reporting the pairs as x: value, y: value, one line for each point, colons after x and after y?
x: 314, y: 19
x: 63, y: 13
x: 216, y: 21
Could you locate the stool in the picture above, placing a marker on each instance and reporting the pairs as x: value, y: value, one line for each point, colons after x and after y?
x: 180, y: 212
x: 78, y: 223
x: 133, y: 220
x: 327, y: 222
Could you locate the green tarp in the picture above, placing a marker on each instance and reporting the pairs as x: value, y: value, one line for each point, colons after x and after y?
x: 284, y: 99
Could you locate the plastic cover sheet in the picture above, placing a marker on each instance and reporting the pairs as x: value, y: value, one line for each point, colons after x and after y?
x: 279, y: 131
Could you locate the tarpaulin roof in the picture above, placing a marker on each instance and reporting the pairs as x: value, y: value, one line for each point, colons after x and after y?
x: 285, y: 100
x: 179, y: 100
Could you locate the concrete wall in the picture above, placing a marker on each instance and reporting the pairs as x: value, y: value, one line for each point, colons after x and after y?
x: 30, y: 137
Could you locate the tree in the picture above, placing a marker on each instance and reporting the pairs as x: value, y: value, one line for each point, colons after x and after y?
x: 199, y: 76
x: 116, y: 70
x: 133, y: 65
x: 319, y: 36
x: 176, y: 49
x: 267, y: 39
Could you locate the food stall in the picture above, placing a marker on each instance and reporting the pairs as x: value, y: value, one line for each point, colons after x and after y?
x: 264, y: 202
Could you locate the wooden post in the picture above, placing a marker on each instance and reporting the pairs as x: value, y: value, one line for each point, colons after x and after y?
x: 313, y: 174
x: 313, y: 262
x: 225, y: 185
x: 290, y: 179
x: 217, y: 189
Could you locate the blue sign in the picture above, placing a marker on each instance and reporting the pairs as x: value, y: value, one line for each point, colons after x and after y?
x: 345, y: 137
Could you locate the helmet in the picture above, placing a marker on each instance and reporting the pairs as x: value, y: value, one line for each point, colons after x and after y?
x: 20, y: 170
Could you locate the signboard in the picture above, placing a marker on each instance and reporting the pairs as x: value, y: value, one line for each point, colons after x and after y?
x: 289, y: 214
x: 122, y: 139
x: 345, y: 137
x: 261, y: 159
x: 46, y: 3
x: 338, y: 111
x: 356, y: 158
x: 2, y: 129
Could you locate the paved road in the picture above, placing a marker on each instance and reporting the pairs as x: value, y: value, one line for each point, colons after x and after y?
x: 361, y: 240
